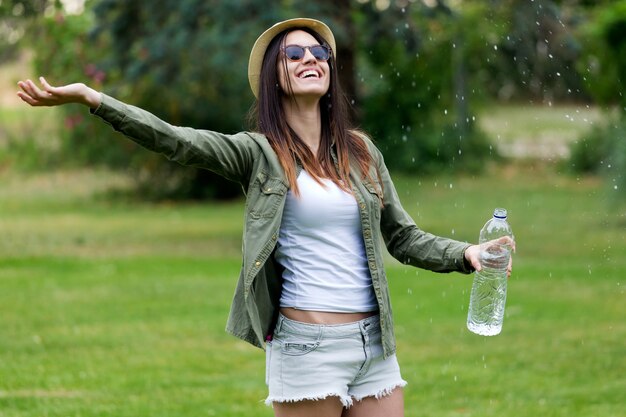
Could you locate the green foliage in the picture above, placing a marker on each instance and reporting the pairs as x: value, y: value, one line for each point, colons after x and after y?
x: 16, y: 17
x: 537, y: 51
x: 66, y: 53
x: 603, y: 151
x: 178, y: 61
x: 414, y: 99
x: 604, y: 62
x: 420, y: 72
x: 589, y: 153
x: 604, y: 67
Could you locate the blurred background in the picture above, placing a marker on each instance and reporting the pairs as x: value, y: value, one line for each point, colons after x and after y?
x: 428, y: 79
x: 117, y: 266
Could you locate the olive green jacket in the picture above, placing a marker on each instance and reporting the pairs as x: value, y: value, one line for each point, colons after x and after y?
x: 248, y: 159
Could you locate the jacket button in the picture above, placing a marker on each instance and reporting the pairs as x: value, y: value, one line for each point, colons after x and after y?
x: 362, y: 206
x: 257, y: 263
x: 373, y: 266
x: 366, y: 233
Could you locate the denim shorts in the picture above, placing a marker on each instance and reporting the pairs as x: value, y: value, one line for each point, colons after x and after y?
x: 312, y: 362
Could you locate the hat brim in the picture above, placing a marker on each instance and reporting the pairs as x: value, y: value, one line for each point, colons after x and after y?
x: 260, y: 46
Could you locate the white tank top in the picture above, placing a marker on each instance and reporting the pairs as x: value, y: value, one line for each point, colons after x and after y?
x: 321, y: 248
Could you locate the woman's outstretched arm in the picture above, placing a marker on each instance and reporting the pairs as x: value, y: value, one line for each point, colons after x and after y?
x: 231, y: 156
x: 48, y: 95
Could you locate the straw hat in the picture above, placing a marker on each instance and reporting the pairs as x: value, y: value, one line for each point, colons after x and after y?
x: 261, y: 44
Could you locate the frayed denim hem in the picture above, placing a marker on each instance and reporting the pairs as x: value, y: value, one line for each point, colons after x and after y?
x: 382, y: 393
x: 345, y: 400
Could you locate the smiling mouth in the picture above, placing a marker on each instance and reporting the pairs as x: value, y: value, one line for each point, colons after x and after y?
x: 309, y: 74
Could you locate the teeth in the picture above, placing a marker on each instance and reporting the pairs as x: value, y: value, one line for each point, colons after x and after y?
x: 307, y: 73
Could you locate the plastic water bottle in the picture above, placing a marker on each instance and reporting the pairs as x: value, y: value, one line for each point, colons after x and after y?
x: 488, y: 298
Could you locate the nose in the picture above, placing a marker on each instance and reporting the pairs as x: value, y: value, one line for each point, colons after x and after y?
x: 308, y: 56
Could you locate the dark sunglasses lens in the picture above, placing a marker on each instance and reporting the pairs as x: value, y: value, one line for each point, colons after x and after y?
x: 294, y: 53
x: 320, y: 53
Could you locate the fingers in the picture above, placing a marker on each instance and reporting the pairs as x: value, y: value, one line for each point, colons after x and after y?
x: 28, y: 93
x: 472, y: 254
x: 511, y: 243
x: 26, y: 98
x: 476, y: 264
x: 47, y: 87
x: 33, y: 95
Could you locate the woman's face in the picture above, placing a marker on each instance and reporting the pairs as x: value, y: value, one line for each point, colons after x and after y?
x: 308, y: 77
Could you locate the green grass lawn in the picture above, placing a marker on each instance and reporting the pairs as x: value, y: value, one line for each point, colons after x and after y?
x: 114, y: 308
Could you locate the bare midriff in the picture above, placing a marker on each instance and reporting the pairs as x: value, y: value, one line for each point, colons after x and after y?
x: 323, y: 317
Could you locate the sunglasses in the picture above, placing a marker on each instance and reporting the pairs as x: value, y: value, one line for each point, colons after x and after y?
x: 296, y: 52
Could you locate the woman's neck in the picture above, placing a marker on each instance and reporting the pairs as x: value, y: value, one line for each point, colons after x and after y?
x: 306, y: 120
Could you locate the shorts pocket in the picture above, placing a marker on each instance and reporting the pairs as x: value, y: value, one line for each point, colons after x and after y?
x: 299, y: 348
x: 294, y: 343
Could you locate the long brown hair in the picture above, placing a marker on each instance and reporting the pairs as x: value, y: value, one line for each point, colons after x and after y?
x: 336, y: 126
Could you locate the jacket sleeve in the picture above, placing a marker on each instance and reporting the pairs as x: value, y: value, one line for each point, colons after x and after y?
x: 230, y: 156
x: 408, y: 243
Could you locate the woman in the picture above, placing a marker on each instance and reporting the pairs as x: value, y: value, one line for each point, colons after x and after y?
x: 312, y: 288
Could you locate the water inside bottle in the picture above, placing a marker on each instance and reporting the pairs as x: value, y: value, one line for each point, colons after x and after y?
x: 488, y: 297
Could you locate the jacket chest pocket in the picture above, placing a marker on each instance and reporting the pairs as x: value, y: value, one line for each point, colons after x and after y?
x: 265, y: 196
x: 373, y: 197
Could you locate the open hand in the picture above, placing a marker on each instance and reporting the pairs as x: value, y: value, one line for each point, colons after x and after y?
x: 48, y: 95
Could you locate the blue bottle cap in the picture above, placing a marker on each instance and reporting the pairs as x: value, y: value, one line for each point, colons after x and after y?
x: 499, y: 213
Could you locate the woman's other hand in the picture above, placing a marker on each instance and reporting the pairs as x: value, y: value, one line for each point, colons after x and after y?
x: 48, y: 95
x: 472, y: 253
